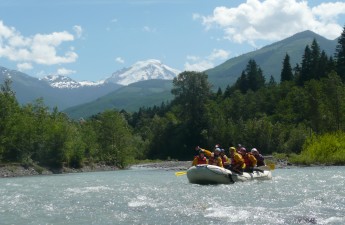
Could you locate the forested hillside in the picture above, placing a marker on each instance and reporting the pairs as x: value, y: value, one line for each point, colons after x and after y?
x: 308, y: 102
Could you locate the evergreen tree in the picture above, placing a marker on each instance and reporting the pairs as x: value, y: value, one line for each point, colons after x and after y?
x: 272, y: 82
x: 219, y: 92
x: 192, y: 93
x: 228, y: 91
x: 340, y: 56
x: 334, y: 99
x: 323, y: 67
x: 242, y: 83
x: 255, y: 77
x: 315, y: 61
x: 286, y: 74
x: 306, y: 67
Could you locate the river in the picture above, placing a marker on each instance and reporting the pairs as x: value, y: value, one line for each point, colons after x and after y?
x: 312, y: 195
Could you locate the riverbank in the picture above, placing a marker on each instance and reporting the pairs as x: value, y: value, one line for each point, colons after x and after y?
x: 18, y: 170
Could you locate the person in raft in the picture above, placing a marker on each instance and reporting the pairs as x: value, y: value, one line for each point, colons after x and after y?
x: 213, y: 157
x: 237, y: 163
x: 225, y: 158
x: 200, y: 159
x: 259, y: 158
x: 249, y: 160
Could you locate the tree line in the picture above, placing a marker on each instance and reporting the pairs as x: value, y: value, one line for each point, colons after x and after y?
x: 283, y: 117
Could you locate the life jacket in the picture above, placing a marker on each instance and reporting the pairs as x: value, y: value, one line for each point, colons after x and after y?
x: 213, y: 161
x: 225, y: 160
x: 260, y: 160
x: 249, y: 160
x: 201, y: 160
x: 236, y: 159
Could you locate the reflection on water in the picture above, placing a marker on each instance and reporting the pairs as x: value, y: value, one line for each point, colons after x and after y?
x: 137, y: 196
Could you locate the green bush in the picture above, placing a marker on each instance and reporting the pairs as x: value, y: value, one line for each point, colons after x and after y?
x: 326, y: 149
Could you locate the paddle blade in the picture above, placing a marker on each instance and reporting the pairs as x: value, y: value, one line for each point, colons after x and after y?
x: 180, y: 173
x: 269, y: 166
x: 272, y: 166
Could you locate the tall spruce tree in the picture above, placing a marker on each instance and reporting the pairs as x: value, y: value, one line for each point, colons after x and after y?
x: 242, y: 83
x: 286, y: 74
x: 340, y: 56
x: 306, y: 68
x: 315, y: 60
x: 256, y: 79
x: 323, y: 67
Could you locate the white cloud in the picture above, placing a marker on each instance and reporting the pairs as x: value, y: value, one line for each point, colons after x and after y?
x: 201, y: 64
x: 218, y: 54
x: 193, y: 57
x: 120, y: 60
x: 64, y: 71
x: 198, y: 66
x: 329, y: 11
x: 78, y: 31
x: 39, y: 48
x: 24, y: 66
x: 149, y: 29
x: 274, y: 19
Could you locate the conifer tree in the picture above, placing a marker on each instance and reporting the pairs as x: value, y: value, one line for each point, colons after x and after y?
x: 305, y: 67
x: 272, y: 82
x: 340, y: 56
x: 315, y: 60
x: 286, y: 74
x: 242, y: 83
x: 323, y: 67
x: 255, y: 77
x: 228, y: 91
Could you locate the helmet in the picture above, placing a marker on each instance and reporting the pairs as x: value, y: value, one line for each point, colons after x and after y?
x: 201, y: 151
x: 254, y: 150
x: 243, y: 149
x: 232, y: 149
x: 217, y: 150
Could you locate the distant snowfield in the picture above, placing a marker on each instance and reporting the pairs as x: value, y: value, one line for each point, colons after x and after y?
x: 142, y: 70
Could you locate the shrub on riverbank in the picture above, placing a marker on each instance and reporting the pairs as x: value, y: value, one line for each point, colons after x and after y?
x: 326, y: 149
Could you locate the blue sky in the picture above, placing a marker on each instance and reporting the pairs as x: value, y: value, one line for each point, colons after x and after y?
x: 91, y: 39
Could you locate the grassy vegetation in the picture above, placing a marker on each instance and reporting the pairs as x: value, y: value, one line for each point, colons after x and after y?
x: 327, y: 149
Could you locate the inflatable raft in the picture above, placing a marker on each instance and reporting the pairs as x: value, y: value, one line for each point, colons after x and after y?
x: 210, y: 174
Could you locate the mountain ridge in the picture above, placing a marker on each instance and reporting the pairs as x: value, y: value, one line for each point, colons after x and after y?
x: 143, y: 70
x: 269, y: 58
x: 139, y: 71
x: 145, y: 93
x: 64, y: 92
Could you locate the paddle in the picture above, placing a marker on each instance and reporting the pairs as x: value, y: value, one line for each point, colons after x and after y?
x: 272, y: 166
x: 269, y: 166
x: 180, y: 173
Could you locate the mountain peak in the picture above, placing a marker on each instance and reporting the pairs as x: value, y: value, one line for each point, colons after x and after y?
x: 306, y: 34
x: 59, y: 81
x: 143, y: 70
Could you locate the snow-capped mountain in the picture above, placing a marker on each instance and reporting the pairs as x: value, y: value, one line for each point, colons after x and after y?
x: 59, y: 81
x: 143, y: 70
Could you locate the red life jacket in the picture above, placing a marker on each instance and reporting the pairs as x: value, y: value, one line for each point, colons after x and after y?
x: 212, y: 161
x: 224, y: 160
x: 201, y: 160
x: 247, y: 161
